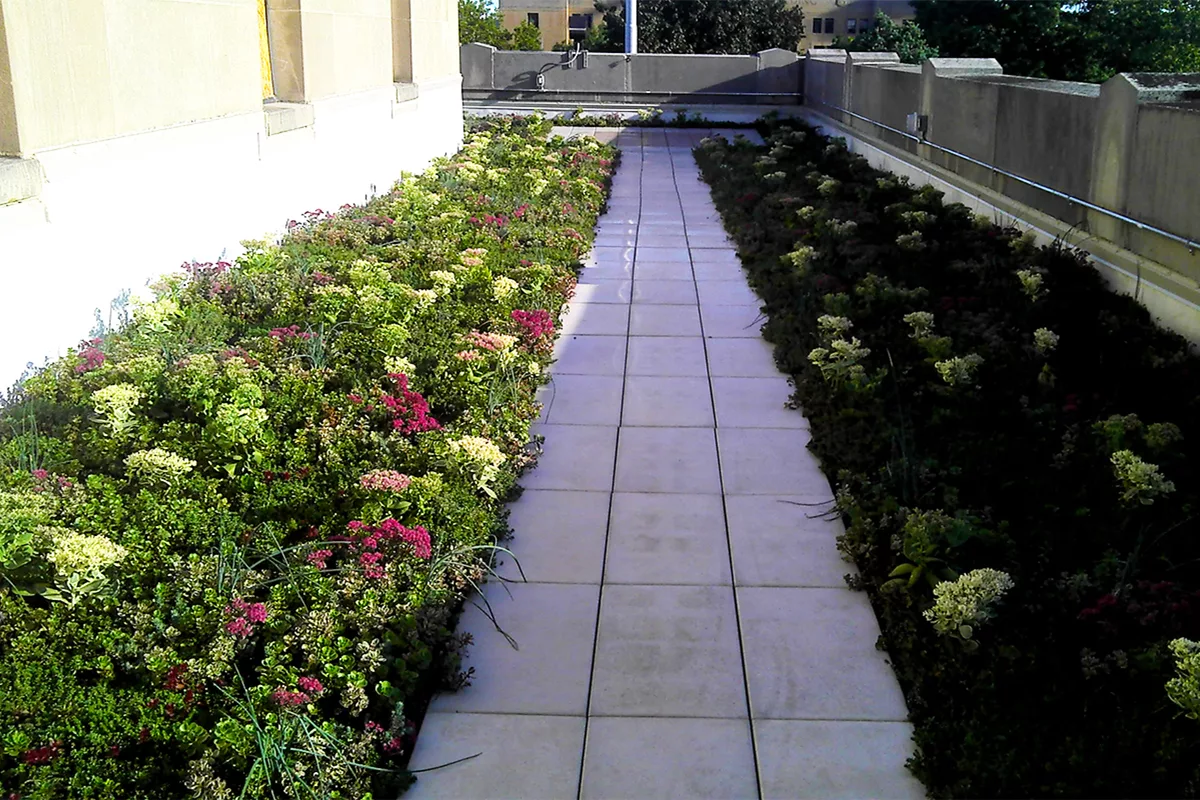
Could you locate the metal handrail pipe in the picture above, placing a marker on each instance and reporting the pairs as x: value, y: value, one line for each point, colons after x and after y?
x: 1189, y: 243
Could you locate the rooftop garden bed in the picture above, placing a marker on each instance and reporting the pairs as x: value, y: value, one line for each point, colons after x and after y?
x: 1015, y: 452
x: 235, y: 531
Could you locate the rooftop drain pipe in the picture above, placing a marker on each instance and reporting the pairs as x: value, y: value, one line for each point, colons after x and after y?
x: 540, y: 78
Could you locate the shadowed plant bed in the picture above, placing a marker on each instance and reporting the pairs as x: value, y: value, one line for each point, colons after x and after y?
x: 235, y: 531
x: 1014, y: 449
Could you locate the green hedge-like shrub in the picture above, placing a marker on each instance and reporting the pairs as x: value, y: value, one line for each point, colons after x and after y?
x: 236, y: 530
x: 1014, y: 449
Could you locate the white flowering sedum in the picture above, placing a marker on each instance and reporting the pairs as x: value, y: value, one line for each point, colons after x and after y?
x: 1141, y: 482
x: 959, y: 370
x: 840, y: 362
x: 1044, y: 341
x: 961, y: 604
x: 158, y: 465
x: 831, y: 326
x: 921, y: 323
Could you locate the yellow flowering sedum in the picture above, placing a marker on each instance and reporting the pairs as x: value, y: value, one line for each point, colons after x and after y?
x: 1141, y: 482
x: 1031, y: 283
x: 502, y: 287
x: 1184, y: 688
x: 961, y: 604
x: 158, y: 465
x: 481, y: 458
x: 443, y: 281
x: 400, y: 365
x: 74, y: 553
x: 156, y: 315
x: 115, y: 404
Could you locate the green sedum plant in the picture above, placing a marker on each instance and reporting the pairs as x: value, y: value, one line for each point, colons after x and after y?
x: 237, y: 529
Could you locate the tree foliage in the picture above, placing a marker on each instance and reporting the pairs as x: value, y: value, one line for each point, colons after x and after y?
x: 526, y: 37
x: 480, y: 21
x: 906, y: 40
x: 702, y: 26
x: 1090, y: 40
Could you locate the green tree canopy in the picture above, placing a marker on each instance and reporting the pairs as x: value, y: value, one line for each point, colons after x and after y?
x: 480, y: 21
x: 526, y: 37
x: 702, y: 26
x: 906, y: 40
x: 1088, y: 40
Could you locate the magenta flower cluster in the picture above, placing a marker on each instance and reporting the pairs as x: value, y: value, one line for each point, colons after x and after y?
x: 244, y: 616
x: 91, y: 355
x: 499, y: 220
x: 290, y: 332
x: 409, y: 410
x: 319, y: 558
x: 536, y: 324
x: 384, y: 480
x: 289, y: 699
x: 309, y: 685
x: 369, y: 538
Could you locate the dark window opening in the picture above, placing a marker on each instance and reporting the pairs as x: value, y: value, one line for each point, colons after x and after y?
x: 851, y: 26
x: 578, y: 26
x: 533, y: 20
x: 816, y: 24
x: 829, y: 24
x: 864, y: 24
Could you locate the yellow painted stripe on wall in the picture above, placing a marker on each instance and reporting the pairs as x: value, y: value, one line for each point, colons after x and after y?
x: 268, y: 84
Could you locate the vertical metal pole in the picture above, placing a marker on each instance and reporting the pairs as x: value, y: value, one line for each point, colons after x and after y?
x: 630, y: 26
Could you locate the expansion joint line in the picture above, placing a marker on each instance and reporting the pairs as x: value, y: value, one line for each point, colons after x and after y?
x: 737, y: 612
x: 616, y: 450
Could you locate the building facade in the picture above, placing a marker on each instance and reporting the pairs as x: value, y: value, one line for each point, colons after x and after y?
x: 824, y: 20
x: 569, y: 20
x: 558, y: 20
x: 138, y: 134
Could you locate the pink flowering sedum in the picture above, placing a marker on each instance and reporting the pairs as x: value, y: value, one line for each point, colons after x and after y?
x: 536, y: 324
x: 385, y: 480
x: 289, y: 699
x: 409, y: 410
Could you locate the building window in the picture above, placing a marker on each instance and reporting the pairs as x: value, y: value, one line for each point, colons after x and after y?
x: 851, y: 26
x: 829, y: 24
x: 816, y: 24
x: 533, y: 20
x: 864, y: 25
x: 578, y: 26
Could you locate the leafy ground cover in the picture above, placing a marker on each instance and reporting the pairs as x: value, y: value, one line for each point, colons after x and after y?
x: 1014, y: 449
x: 235, y: 531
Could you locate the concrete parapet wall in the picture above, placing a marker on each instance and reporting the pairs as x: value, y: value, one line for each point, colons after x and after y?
x: 770, y: 76
x: 1129, y: 147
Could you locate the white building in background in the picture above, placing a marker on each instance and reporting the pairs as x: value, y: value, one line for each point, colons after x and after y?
x: 139, y: 134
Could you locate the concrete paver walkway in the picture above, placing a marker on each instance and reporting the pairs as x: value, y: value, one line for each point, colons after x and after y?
x: 686, y: 630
